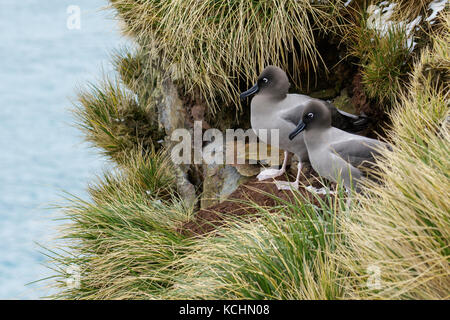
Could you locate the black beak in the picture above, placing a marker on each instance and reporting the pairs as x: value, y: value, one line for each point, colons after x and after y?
x: 249, y: 92
x: 300, y: 127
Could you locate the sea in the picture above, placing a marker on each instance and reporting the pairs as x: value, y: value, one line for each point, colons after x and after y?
x: 49, y: 49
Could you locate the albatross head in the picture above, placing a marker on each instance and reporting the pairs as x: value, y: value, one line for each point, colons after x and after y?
x: 272, y: 82
x: 315, y: 115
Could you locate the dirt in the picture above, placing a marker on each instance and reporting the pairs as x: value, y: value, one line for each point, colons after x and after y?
x: 262, y: 193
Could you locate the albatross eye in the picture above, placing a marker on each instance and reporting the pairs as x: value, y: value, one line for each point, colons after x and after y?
x: 310, y: 115
x: 265, y: 80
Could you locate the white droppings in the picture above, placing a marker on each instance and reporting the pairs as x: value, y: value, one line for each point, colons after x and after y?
x: 380, y: 20
x: 347, y: 3
x: 436, y: 6
x: 380, y: 16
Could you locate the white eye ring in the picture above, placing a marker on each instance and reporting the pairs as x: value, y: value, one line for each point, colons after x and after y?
x: 310, y: 115
x: 265, y: 80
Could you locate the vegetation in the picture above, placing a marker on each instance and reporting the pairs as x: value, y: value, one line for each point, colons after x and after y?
x: 287, y: 253
x: 126, y: 239
x: 218, y: 47
x: 403, y: 226
x: 118, y: 115
x: 383, y: 60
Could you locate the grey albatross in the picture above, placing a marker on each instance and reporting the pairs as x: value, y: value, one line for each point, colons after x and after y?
x: 272, y: 107
x: 335, y: 154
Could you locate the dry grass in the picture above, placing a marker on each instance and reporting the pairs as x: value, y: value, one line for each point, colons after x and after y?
x: 216, y: 47
x: 402, y: 227
x: 124, y: 242
x: 284, y: 254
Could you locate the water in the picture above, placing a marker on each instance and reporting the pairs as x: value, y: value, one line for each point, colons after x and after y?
x: 42, y: 62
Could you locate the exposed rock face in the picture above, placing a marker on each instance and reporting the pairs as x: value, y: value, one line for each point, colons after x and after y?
x: 220, y: 181
x: 171, y: 111
x: 172, y: 115
x: 184, y: 186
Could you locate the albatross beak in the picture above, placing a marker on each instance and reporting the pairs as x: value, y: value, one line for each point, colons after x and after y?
x: 300, y: 127
x: 249, y: 92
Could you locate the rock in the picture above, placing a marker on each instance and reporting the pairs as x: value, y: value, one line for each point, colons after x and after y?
x: 171, y: 111
x: 172, y: 115
x: 344, y: 102
x: 198, y: 114
x: 248, y: 170
x: 220, y: 181
x: 184, y: 186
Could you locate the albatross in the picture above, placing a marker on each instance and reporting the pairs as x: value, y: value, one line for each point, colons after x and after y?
x: 335, y: 154
x: 272, y: 107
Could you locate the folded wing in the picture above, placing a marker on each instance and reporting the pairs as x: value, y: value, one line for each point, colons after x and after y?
x: 358, y: 152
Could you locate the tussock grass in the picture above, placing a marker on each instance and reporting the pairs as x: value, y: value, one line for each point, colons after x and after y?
x: 150, y: 173
x: 216, y: 47
x: 402, y: 227
x: 139, y: 75
x: 124, y: 242
x: 384, y: 67
x: 112, y: 119
x: 285, y: 253
x: 383, y: 58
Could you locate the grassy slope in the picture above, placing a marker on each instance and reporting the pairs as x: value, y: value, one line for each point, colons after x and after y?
x: 403, y: 226
x: 126, y: 243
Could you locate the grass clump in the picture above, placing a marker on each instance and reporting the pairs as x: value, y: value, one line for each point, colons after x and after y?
x: 112, y: 119
x: 384, y: 67
x: 139, y: 173
x: 218, y: 47
x: 383, y: 58
x: 402, y: 227
x: 285, y: 253
x: 125, y: 242
x: 119, y: 115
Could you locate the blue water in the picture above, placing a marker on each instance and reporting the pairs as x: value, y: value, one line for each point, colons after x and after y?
x: 42, y: 62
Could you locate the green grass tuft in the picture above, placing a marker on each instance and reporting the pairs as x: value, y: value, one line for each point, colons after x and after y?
x: 384, y: 59
x: 385, y: 66
x: 112, y: 119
